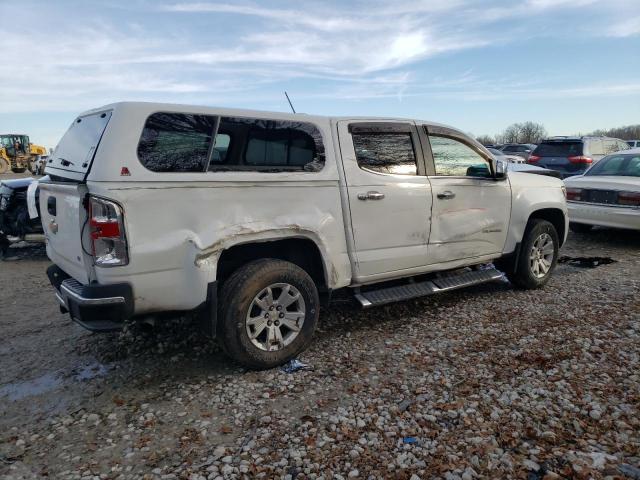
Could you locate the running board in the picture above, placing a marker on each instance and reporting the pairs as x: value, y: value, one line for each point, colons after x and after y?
x: 429, y: 287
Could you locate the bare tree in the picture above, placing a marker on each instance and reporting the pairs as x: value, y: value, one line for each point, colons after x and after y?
x: 486, y: 139
x: 511, y: 134
x: 531, y: 132
x: 527, y: 132
x: 630, y: 132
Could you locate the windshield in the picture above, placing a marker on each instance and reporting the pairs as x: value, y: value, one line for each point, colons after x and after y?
x: 617, y: 165
x: 10, y: 140
x: 558, y: 149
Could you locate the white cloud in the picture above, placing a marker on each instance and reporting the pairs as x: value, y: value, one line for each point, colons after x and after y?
x: 364, y: 48
x: 625, y: 28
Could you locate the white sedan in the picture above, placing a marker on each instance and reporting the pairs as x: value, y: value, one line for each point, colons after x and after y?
x: 608, y: 194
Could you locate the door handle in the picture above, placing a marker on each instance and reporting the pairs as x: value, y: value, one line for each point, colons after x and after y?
x: 448, y: 195
x: 371, y: 196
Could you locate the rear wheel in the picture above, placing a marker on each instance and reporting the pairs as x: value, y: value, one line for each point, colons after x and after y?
x: 18, y: 170
x: 580, y: 227
x: 538, y: 255
x: 269, y: 311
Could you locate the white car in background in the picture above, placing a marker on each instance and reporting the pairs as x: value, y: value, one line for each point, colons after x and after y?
x: 608, y: 194
x: 500, y: 155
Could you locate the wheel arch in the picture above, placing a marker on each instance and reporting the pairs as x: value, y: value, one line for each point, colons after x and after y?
x: 299, y: 250
x: 556, y: 217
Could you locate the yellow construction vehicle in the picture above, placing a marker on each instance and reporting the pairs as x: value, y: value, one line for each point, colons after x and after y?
x: 18, y: 154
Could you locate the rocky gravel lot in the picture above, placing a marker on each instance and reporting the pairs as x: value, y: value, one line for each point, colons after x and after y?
x: 487, y: 382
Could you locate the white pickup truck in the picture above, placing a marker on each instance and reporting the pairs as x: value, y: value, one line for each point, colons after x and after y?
x: 251, y: 219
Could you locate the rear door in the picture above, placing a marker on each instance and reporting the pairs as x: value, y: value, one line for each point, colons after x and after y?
x: 389, y: 195
x: 61, y: 198
x: 471, y: 210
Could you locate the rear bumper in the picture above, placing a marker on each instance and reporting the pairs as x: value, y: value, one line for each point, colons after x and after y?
x: 99, y: 308
x: 604, y: 215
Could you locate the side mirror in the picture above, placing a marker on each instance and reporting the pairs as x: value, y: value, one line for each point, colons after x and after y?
x: 500, y: 169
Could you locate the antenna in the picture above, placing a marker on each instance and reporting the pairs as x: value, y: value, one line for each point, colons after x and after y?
x: 289, y: 100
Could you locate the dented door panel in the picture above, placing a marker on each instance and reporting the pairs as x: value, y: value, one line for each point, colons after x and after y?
x: 473, y: 223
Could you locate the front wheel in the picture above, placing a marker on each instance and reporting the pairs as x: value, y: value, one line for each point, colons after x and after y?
x: 538, y: 255
x: 268, y: 313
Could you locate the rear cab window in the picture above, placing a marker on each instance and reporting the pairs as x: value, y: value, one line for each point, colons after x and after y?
x: 390, y: 152
x: 74, y: 154
x: 176, y: 142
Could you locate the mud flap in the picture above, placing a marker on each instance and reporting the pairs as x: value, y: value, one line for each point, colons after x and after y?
x: 208, y: 313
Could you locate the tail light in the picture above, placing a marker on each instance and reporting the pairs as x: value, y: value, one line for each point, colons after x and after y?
x: 106, y: 230
x: 580, y: 159
x: 574, y: 194
x: 533, y: 158
x: 629, y: 198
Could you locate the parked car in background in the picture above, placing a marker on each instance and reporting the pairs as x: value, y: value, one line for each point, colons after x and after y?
x: 18, y: 223
x: 633, y: 143
x: 573, y: 155
x: 608, y: 194
x: 520, y: 149
x: 500, y: 155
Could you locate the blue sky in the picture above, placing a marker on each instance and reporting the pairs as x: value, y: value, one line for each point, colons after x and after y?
x: 573, y: 65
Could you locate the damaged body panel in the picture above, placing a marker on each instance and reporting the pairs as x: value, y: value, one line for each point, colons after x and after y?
x: 251, y: 218
x: 18, y: 222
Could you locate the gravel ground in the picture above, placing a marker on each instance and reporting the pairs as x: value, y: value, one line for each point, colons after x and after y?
x: 488, y: 382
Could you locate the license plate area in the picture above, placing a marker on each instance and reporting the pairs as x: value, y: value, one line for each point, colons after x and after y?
x: 602, y: 196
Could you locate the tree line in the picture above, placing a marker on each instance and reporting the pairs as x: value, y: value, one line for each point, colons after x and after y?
x: 532, y: 132
x: 525, y: 132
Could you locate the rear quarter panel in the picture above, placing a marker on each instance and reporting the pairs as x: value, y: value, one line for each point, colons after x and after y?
x: 178, y: 224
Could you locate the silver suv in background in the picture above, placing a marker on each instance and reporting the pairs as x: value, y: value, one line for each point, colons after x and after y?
x: 633, y: 143
x: 573, y: 155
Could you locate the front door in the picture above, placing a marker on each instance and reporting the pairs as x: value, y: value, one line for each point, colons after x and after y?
x: 389, y: 196
x: 471, y: 209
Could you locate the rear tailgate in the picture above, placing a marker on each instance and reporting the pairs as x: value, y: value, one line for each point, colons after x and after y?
x: 555, y: 155
x: 63, y: 216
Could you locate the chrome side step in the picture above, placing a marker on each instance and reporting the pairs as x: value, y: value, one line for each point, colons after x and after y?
x: 429, y: 287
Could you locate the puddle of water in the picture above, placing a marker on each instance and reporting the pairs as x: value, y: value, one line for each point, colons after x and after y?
x: 37, y: 386
x: 90, y: 371
x: 52, y: 381
x: 586, y: 262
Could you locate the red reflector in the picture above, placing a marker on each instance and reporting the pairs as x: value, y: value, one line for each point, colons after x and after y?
x: 574, y: 194
x: 580, y: 159
x: 124, y: 172
x: 533, y: 158
x: 108, y: 229
x: 629, y: 198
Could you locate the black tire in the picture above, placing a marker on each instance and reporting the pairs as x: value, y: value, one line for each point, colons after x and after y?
x: 580, y: 227
x: 237, y: 296
x: 18, y: 170
x: 523, y: 276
